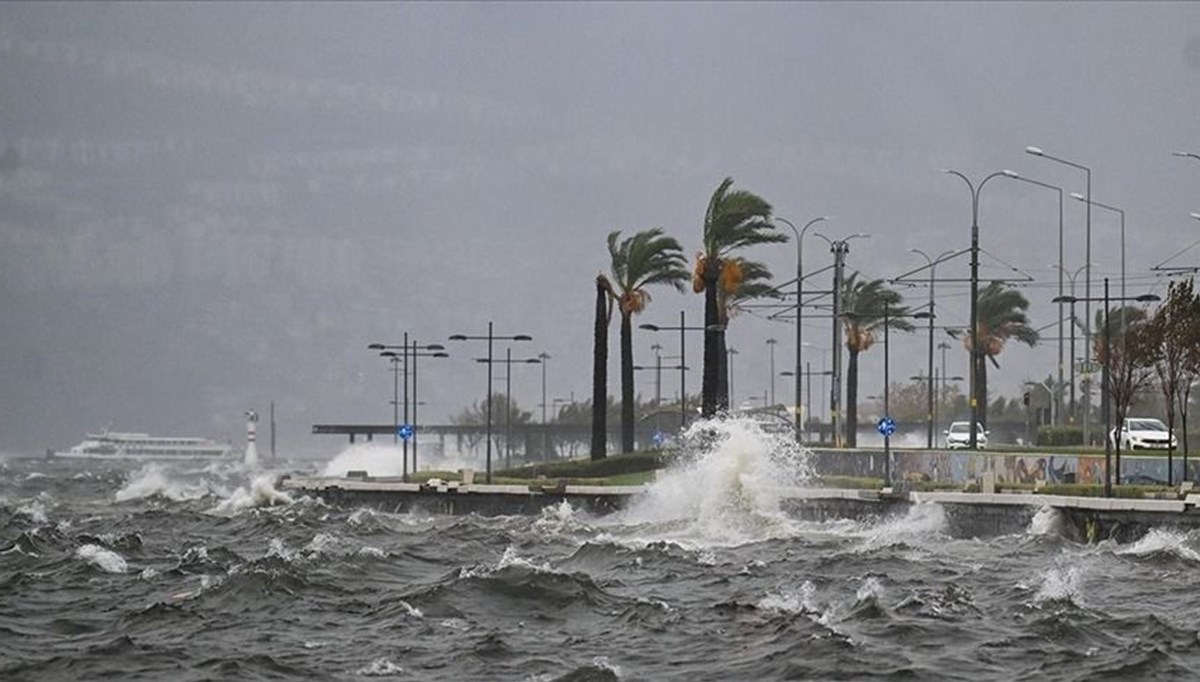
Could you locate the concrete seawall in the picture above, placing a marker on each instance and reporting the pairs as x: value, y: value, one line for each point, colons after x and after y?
x: 1082, y: 519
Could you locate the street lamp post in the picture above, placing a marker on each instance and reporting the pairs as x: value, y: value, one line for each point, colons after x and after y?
x: 1073, y: 324
x: 839, y: 249
x: 887, y: 390
x: 933, y: 262
x: 682, y: 328
x: 972, y: 442
x: 409, y: 350
x: 544, y: 356
x: 1087, y: 281
x: 1015, y: 176
x: 799, y: 309
x: 508, y: 362
x: 1105, y: 387
x: 490, y: 338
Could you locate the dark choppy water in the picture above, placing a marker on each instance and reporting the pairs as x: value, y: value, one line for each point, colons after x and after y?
x: 155, y: 573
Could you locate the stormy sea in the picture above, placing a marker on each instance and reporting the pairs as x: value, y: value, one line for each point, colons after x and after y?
x: 193, y: 572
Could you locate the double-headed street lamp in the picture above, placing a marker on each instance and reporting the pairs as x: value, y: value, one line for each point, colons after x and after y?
x: 839, y: 248
x: 508, y: 361
x: 490, y: 338
x: 408, y: 350
x: 682, y: 328
x: 1104, y: 380
x: 1015, y: 176
x: 975, y: 353
x: 1087, y: 259
x: 932, y: 265
x: 1073, y: 324
x: 799, y: 307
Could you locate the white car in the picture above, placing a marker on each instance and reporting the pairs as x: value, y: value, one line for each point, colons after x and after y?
x: 1138, y: 433
x: 959, y: 435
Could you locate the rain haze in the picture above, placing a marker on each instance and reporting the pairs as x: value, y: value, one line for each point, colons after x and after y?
x: 208, y: 207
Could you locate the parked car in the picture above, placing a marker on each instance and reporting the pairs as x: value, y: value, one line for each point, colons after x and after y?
x: 959, y: 435
x: 1143, y: 433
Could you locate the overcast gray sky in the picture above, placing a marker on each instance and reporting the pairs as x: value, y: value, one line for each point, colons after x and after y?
x: 216, y: 205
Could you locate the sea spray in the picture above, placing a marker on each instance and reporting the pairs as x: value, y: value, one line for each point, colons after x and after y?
x: 375, y: 459
x: 260, y: 492
x: 726, y: 487
x: 104, y: 559
x: 152, y: 480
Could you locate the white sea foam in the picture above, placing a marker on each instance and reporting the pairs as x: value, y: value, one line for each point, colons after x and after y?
x: 260, y: 492
x: 380, y: 667
x: 1164, y: 541
x: 104, y: 559
x: 1061, y: 582
x: 871, y: 588
x: 153, y: 480
x: 510, y: 558
x: 727, y: 489
x: 791, y: 601
x: 920, y: 526
x: 34, y: 511
x: 1046, y: 522
x: 375, y: 459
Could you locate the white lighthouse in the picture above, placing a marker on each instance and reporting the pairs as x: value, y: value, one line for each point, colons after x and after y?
x: 251, y: 458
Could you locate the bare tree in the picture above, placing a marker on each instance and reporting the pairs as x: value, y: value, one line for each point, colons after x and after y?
x: 1127, y: 347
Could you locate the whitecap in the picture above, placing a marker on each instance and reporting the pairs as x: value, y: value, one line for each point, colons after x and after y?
x: 380, y: 667
x: 260, y: 492
x: 104, y: 559
x: 34, y: 511
x: 1161, y: 540
x: 152, y: 480
x: 1046, y: 522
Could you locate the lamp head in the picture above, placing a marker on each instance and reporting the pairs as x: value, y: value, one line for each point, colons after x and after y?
x: 1063, y: 299
x: 441, y: 355
x: 1011, y: 174
x: 375, y: 346
x: 458, y: 337
x: 1036, y: 151
x: 435, y: 346
x: 522, y: 337
x: 389, y: 354
x: 1148, y: 298
x: 1195, y: 216
x: 1078, y: 197
x: 650, y: 327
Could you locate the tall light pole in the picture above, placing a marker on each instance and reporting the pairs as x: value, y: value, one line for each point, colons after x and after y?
x: 771, y: 352
x: 1087, y: 280
x: 490, y: 338
x: 544, y: 356
x: 839, y: 249
x: 1073, y: 324
x: 799, y: 309
x: 409, y: 350
x: 1105, y: 387
x: 932, y: 264
x: 972, y: 442
x: 730, y: 352
x: 682, y: 329
x: 1079, y: 197
x: 1015, y: 176
x: 508, y: 362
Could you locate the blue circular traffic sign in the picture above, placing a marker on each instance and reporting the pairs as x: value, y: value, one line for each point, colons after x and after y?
x: 886, y: 426
x: 405, y: 431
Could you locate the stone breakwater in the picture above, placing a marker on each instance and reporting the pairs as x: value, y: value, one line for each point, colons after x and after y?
x: 1082, y: 519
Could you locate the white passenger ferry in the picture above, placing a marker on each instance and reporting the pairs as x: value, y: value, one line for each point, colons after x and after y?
x: 113, y: 445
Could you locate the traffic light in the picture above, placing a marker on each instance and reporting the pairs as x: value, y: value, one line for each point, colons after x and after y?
x: 1025, y: 399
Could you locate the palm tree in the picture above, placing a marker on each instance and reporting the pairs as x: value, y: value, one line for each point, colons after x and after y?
x: 1001, y: 317
x: 645, y: 259
x: 755, y: 284
x: 735, y: 219
x: 604, y: 299
x: 866, y: 307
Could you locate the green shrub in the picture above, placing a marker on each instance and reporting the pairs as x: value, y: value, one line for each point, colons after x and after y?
x: 1059, y: 435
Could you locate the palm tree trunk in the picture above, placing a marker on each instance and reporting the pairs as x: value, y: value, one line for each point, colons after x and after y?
x: 852, y: 399
x: 600, y: 371
x: 626, y: 381
x: 710, y: 397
